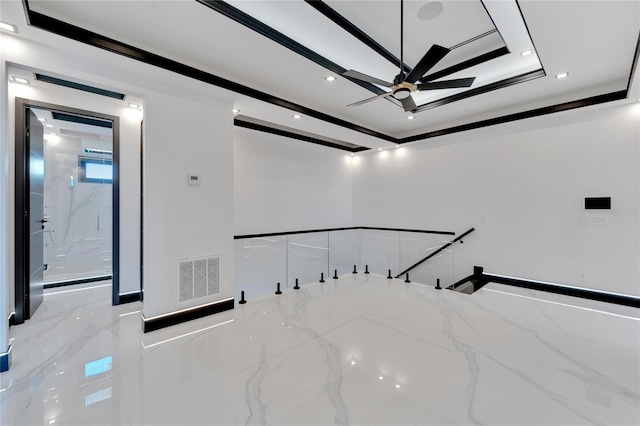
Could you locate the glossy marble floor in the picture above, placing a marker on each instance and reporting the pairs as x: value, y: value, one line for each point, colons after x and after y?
x: 361, y: 350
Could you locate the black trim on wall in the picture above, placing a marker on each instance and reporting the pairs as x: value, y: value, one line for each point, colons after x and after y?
x: 594, y: 100
x: 78, y: 86
x: 12, y: 319
x: 82, y: 120
x: 81, y: 35
x: 152, y: 324
x: 134, y: 296
x: 84, y: 36
x: 292, y: 135
x: 78, y: 281
x: 308, y: 231
x: 21, y: 204
x: 634, y: 65
x: 584, y: 293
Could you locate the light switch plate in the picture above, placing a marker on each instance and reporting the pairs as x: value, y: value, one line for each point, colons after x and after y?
x: 193, y: 180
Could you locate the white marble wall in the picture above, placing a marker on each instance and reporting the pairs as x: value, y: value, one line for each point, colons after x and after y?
x: 78, y: 238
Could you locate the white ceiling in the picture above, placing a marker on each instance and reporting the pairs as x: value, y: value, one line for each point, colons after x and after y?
x: 594, y: 41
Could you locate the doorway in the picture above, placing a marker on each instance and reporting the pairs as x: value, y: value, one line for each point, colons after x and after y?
x: 48, y: 204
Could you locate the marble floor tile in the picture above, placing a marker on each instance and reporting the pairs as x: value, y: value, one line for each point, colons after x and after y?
x: 362, y: 350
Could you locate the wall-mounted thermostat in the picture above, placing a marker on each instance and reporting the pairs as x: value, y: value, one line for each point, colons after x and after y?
x: 194, y: 180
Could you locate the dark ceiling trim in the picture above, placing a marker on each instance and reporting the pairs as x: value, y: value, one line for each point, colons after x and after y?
x: 292, y: 135
x: 72, y: 118
x: 529, y: 33
x: 78, y: 86
x: 349, y: 27
x: 594, y: 100
x: 93, y: 39
x: 266, y: 31
x: 466, y: 64
x: 634, y: 65
x: 493, y: 22
x: 532, y: 75
x: 81, y: 35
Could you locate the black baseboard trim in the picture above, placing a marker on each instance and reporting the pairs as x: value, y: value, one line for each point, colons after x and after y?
x: 134, y: 296
x: 12, y: 319
x: 162, y: 321
x: 5, y: 360
x: 74, y: 282
x: 583, y: 293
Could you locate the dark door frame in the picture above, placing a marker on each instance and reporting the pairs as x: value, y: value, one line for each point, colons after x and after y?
x: 21, y: 224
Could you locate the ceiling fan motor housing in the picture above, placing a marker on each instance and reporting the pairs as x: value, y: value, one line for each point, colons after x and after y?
x: 402, y: 93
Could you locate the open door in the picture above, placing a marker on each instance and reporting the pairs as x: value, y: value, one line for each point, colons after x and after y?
x: 35, y: 142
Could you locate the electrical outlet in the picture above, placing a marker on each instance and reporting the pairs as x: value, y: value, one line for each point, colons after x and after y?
x: 598, y: 220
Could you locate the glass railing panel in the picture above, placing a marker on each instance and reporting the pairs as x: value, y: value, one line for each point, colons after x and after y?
x: 307, y: 257
x: 344, y: 251
x: 440, y: 266
x: 260, y: 263
x: 415, y: 246
x: 380, y: 250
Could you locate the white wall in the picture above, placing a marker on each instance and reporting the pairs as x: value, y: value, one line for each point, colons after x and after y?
x: 529, y: 178
x: 284, y: 184
x: 177, y: 134
x: 181, y: 221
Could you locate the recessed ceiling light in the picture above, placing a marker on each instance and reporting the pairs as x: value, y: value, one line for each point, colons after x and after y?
x: 380, y: 377
x: 296, y: 116
x: 526, y: 52
x: 410, y: 117
x: 352, y: 154
x: 379, y: 149
x: 397, y: 386
x: 8, y: 27
x: 330, y: 78
x: 235, y: 111
x: 20, y: 80
x: 134, y: 106
x: 562, y: 75
x: 353, y: 362
x: 48, y: 125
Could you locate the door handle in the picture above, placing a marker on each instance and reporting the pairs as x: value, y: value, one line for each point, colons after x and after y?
x: 43, y: 221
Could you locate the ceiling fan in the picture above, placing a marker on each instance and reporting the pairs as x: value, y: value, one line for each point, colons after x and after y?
x: 404, y: 84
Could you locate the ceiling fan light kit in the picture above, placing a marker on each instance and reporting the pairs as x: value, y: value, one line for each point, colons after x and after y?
x: 403, y: 85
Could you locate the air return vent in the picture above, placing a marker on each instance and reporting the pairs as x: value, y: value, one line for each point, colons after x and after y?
x: 198, y: 278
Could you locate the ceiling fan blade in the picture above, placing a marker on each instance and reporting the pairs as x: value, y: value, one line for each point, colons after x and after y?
x: 364, y: 77
x: 447, y: 84
x: 384, y: 95
x: 428, y: 61
x: 408, y: 104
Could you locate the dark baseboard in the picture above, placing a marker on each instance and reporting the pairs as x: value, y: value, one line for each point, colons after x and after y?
x: 5, y: 360
x: 75, y: 282
x: 12, y: 319
x: 583, y: 293
x: 156, y: 323
x: 130, y: 297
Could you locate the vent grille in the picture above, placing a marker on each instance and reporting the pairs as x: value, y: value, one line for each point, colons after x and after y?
x: 198, y: 278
